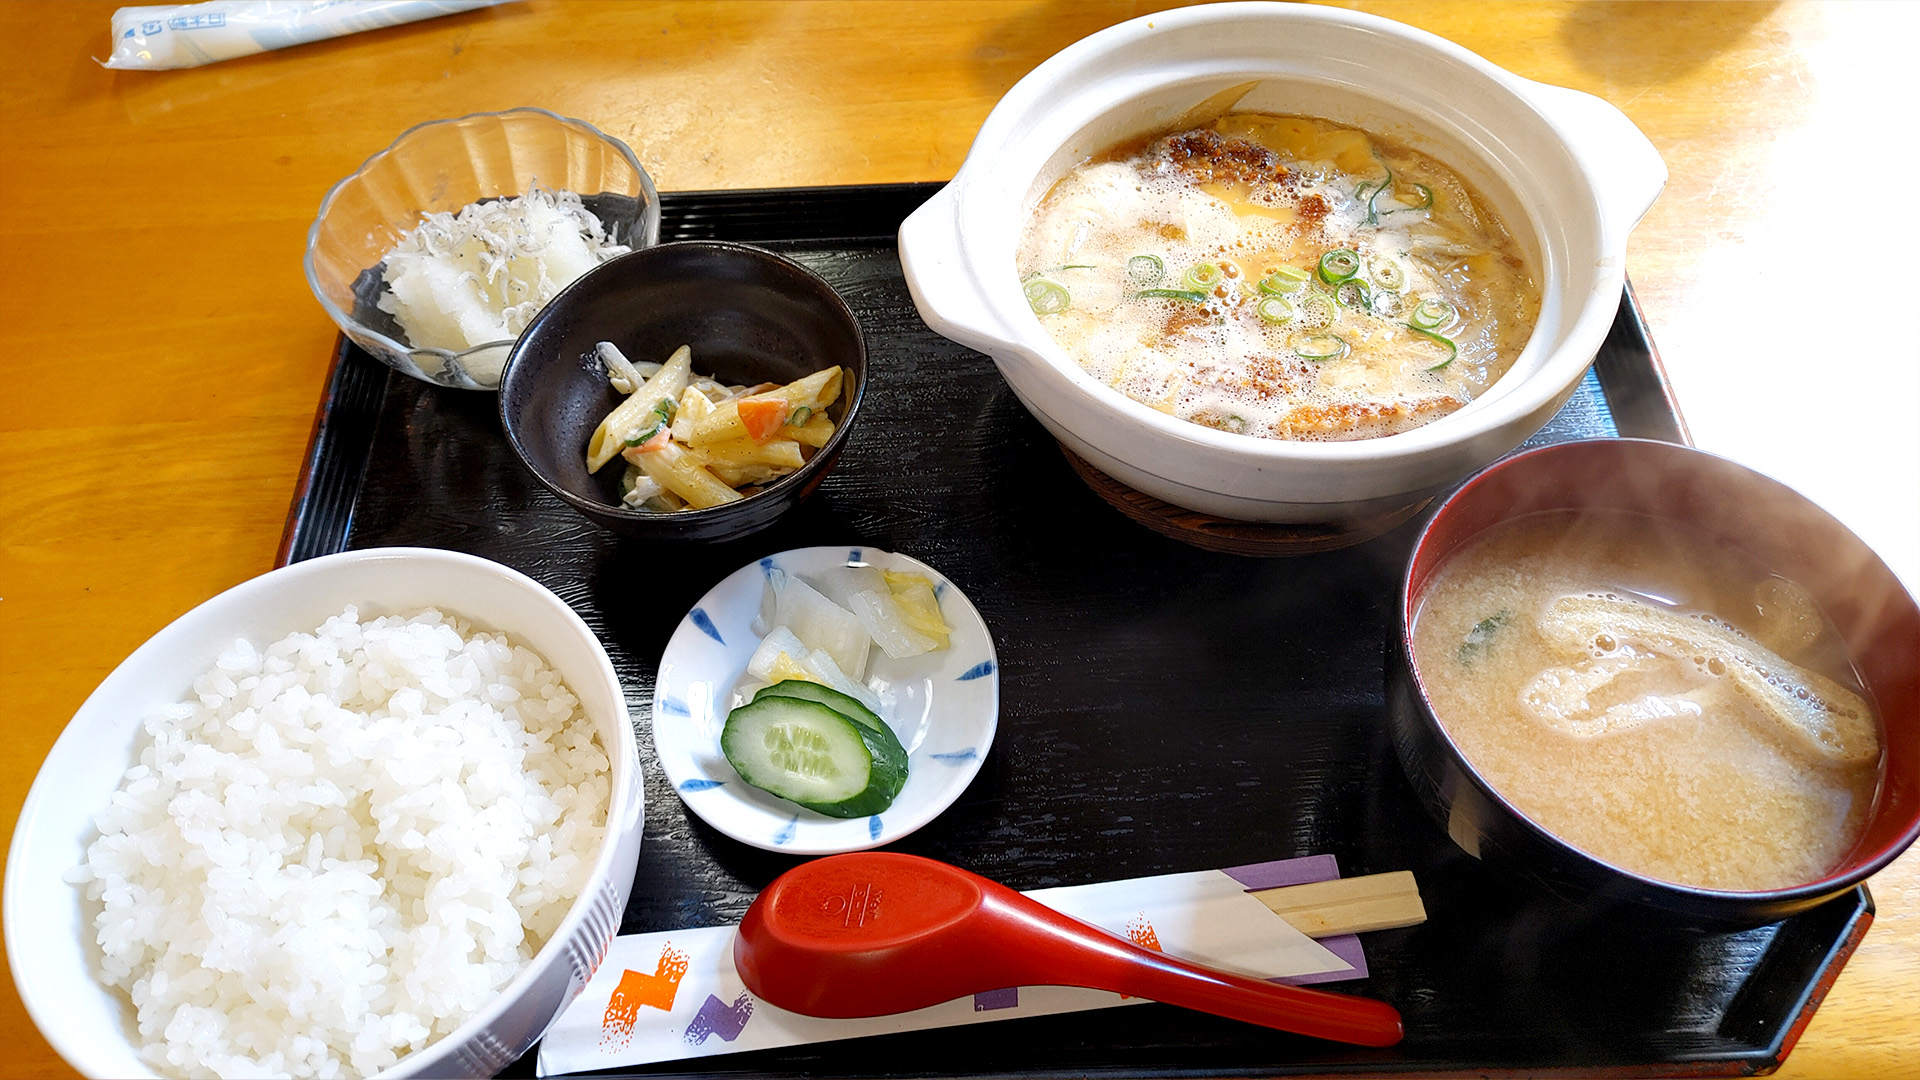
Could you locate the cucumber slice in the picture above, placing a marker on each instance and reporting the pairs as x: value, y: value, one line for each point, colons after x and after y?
x: 889, y: 748
x: 806, y: 752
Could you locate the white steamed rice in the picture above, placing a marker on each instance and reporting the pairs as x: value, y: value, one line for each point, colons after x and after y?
x: 344, y: 846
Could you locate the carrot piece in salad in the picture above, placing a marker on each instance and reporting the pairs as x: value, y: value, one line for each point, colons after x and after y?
x: 763, y: 417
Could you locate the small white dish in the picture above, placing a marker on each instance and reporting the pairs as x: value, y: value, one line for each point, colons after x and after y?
x: 944, y: 706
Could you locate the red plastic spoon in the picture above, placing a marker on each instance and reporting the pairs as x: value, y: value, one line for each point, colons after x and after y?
x: 874, y: 932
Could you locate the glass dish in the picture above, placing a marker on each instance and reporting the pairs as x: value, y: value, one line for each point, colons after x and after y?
x: 444, y: 165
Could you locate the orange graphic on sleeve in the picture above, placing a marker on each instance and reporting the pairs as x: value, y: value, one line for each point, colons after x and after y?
x: 1140, y: 932
x: 635, y: 990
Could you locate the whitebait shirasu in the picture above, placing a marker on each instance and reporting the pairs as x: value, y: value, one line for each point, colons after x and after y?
x: 457, y: 281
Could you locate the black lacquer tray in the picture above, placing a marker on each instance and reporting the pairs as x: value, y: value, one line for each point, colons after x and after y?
x: 1163, y: 709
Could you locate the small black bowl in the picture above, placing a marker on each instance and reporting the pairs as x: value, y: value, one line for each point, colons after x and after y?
x: 750, y: 316
x: 1722, y: 504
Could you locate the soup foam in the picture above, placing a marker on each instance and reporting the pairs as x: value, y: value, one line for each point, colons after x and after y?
x: 1191, y: 273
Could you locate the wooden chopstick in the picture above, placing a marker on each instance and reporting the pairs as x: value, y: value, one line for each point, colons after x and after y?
x: 1350, y: 905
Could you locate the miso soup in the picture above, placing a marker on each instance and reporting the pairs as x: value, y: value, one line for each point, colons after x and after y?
x: 1651, y: 698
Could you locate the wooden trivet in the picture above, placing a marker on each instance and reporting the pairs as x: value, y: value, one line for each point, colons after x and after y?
x: 1236, y: 537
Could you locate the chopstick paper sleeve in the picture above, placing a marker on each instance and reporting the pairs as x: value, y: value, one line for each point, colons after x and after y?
x: 673, y: 995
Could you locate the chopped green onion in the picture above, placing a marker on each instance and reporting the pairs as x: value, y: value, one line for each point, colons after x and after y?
x: 1273, y: 310
x: 1173, y: 294
x: 662, y: 413
x: 1321, y: 348
x: 1371, y: 192
x: 1362, y: 297
x: 1146, y: 269
x: 1432, y: 314
x: 1338, y: 265
x: 1202, y: 276
x: 1317, y: 310
x: 1283, y: 279
x: 800, y: 416
x: 1374, y: 213
x: 1079, y: 266
x: 1373, y: 210
x: 1387, y: 274
x: 1453, y: 350
x: 1047, y: 297
x: 1236, y: 423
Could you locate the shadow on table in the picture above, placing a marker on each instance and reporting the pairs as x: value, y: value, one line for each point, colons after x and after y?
x: 1615, y: 39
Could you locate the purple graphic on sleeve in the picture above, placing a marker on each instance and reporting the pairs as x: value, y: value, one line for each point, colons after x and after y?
x: 988, y: 1000
x: 715, y: 1018
x: 1282, y: 872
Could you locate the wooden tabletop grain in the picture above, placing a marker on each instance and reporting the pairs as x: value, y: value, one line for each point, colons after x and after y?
x: 161, y: 356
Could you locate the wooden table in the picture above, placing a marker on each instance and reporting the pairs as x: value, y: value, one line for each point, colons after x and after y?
x: 162, y: 355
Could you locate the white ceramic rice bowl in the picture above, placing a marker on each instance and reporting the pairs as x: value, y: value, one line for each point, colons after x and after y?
x: 49, y: 939
x: 1568, y: 173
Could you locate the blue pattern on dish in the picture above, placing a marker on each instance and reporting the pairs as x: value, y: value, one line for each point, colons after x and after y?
x: 705, y: 622
x: 673, y: 706
x: 977, y: 671
x: 873, y: 827
x: 785, y: 836
x: 958, y: 757
x: 702, y: 785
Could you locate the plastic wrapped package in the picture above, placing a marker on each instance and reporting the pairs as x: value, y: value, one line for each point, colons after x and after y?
x: 189, y: 35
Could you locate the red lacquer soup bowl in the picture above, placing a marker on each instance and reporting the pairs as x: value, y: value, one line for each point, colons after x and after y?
x: 1730, y: 507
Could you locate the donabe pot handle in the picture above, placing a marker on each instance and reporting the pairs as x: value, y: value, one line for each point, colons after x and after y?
x: 1628, y: 173
x: 942, y: 282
